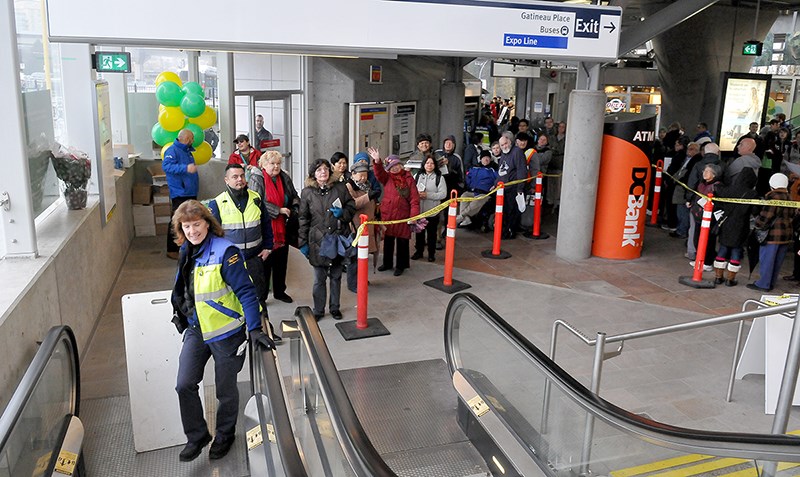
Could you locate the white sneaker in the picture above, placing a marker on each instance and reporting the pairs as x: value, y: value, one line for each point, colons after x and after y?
x: 706, y: 268
x: 467, y: 221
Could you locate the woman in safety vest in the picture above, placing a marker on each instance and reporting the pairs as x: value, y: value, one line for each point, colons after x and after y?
x: 214, y: 299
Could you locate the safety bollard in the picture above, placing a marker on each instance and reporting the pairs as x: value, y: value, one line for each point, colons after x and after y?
x: 696, y: 280
x: 363, y: 277
x: 362, y: 327
x: 537, y: 212
x: 495, y: 252
x: 656, y: 194
x: 446, y: 283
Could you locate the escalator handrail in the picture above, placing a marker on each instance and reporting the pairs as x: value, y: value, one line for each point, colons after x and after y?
x: 32, y: 376
x: 357, y: 447
x: 282, y: 422
x: 743, y: 445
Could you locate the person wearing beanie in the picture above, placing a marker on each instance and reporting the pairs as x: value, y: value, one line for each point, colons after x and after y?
x: 400, y: 202
x: 777, y: 221
x: 424, y: 144
x: 375, y: 185
x: 365, y: 199
x: 452, y: 168
x: 480, y: 180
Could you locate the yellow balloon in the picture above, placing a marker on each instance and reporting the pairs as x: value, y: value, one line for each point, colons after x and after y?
x: 161, y: 108
x: 169, y: 76
x: 171, y: 119
x: 202, y: 153
x: 164, y: 150
x: 207, y: 119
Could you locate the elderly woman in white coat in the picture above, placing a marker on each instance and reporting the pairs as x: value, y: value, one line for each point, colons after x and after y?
x: 432, y: 191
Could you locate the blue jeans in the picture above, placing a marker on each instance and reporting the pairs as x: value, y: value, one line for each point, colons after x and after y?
x: 320, y: 289
x: 770, y: 259
x: 734, y: 254
x: 227, y: 364
x: 683, y: 220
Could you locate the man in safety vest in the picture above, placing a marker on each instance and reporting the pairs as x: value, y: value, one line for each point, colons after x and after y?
x: 244, y: 218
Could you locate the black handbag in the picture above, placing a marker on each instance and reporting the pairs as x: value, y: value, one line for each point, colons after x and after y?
x: 761, y: 234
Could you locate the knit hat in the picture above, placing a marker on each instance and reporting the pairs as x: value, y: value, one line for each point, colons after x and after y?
x: 779, y: 181
x: 361, y: 156
x: 484, y: 153
x: 359, y: 166
x: 392, y: 161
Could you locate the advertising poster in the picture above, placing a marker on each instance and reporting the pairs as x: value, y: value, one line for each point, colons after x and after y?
x: 404, y: 125
x: 744, y: 101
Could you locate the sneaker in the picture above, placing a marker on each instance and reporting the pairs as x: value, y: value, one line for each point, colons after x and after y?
x: 706, y: 268
x: 689, y: 256
x: 675, y: 234
x: 220, y: 448
x: 193, y: 449
x: 465, y: 223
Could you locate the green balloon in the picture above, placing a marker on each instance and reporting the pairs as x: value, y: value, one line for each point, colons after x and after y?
x: 193, y: 88
x: 169, y: 94
x: 199, y: 136
x: 193, y: 105
x: 161, y: 136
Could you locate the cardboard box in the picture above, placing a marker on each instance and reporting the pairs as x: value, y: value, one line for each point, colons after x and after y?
x: 145, y: 230
x: 162, y: 210
x: 161, y: 190
x: 157, y: 172
x: 161, y: 199
x: 141, y: 194
x: 162, y: 220
x: 143, y: 215
x: 161, y: 229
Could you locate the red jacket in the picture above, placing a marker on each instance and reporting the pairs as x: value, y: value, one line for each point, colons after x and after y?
x: 394, y: 206
x: 236, y: 158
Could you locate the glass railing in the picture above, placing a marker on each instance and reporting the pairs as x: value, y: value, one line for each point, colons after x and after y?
x: 43, y: 411
x: 566, y: 429
x: 271, y: 447
x: 325, y: 424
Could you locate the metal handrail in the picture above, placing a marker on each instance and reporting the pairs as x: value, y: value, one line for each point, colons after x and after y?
x: 26, y: 387
x: 772, y: 447
x: 270, y: 381
x: 358, y: 449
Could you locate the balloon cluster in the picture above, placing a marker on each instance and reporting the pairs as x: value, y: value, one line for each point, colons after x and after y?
x: 182, y: 106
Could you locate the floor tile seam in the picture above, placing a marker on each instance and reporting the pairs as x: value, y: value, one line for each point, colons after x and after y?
x: 411, y: 449
x: 585, y: 293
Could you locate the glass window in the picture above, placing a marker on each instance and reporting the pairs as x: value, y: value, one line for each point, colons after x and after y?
x: 42, y: 101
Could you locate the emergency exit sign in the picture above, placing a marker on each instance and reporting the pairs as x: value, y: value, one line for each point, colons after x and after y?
x: 112, y: 62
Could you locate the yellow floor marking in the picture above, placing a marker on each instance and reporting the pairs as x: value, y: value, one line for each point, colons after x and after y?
x: 701, y: 468
x: 660, y: 465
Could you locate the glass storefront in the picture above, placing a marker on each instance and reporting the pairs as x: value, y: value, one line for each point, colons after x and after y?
x: 631, y: 99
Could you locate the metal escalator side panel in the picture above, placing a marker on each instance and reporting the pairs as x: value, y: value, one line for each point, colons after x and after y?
x: 67, y: 459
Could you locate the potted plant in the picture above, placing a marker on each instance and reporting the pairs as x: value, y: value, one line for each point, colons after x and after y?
x: 74, y: 168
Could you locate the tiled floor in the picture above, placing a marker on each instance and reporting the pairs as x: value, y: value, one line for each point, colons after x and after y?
x: 680, y: 378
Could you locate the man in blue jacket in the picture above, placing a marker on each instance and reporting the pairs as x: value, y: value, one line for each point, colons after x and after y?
x: 182, y: 179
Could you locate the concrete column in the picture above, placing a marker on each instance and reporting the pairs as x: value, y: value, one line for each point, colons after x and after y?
x: 78, y: 79
x: 16, y: 224
x: 227, y: 106
x: 523, y: 99
x: 193, y: 65
x: 451, y: 104
x: 588, y: 76
x: 581, y: 170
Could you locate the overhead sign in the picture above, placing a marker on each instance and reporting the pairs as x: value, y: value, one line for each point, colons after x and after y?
x: 752, y: 48
x: 112, y: 62
x: 513, y: 70
x: 546, y: 30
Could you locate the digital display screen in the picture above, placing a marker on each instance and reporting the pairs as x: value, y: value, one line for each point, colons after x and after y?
x: 744, y: 102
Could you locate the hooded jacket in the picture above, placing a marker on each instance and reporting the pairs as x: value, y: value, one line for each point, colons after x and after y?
x: 735, y: 223
x: 317, y: 221
x: 176, y: 161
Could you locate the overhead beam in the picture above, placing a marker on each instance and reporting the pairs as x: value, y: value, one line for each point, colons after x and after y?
x: 661, y: 21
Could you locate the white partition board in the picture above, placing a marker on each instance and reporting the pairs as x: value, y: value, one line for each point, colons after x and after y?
x: 765, y: 353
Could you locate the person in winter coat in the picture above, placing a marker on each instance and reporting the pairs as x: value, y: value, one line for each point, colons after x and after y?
x: 365, y: 197
x: 244, y: 154
x: 182, y: 179
x: 734, y: 226
x: 326, y: 209
x: 778, y: 221
x: 480, y: 180
x: 712, y: 173
x: 400, y: 201
x: 341, y: 172
x: 432, y: 191
x: 282, y: 204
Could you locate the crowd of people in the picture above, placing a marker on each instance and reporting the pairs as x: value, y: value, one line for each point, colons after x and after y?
x: 763, y: 167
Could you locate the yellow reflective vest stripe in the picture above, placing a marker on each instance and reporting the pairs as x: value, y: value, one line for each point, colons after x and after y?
x: 241, y: 228
x: 218, y: 309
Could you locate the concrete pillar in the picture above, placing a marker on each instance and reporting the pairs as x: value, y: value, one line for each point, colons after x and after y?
x: 523, y: 98
x: 227, y: 105
x: 17, y: 231
x: 451, y: 109
x: 78, y: 79
x: 581, y: 170
x: 193, y: 65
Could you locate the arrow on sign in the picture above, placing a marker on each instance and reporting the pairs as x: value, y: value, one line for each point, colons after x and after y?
x: 610, y: 28
x: 120, y: 63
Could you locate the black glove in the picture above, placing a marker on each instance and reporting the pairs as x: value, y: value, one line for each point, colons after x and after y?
x: 373, y: 194
x: 257, y: 337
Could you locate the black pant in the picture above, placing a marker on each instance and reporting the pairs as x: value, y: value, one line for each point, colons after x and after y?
x: 511, y: 214
x: 402, y: 252
x: 177, y: 201
x: 430, y: 233
x: 275, y: 268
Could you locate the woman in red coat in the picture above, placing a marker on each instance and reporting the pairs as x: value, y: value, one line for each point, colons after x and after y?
x: 400, y: 201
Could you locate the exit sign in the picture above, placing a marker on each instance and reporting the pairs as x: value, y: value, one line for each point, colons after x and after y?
x: 112, y: 62
x: 752, y: 48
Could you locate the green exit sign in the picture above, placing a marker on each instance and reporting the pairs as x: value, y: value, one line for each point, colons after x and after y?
x: 752, y: 48
x: 112, y: 62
